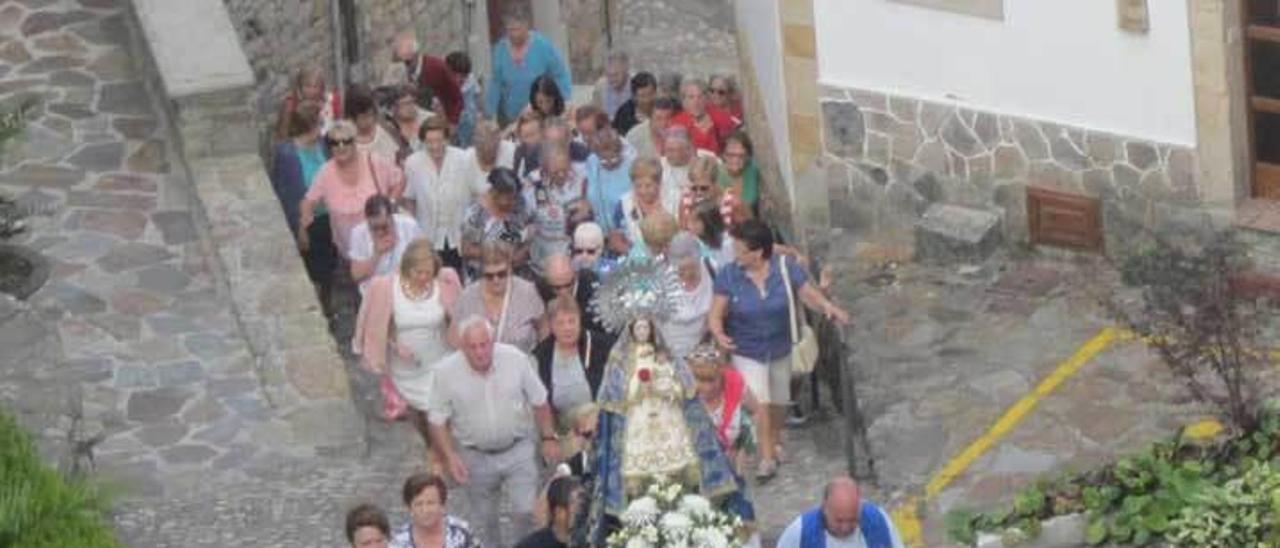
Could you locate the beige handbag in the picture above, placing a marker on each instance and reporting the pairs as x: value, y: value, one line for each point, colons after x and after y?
x: 804, y: 343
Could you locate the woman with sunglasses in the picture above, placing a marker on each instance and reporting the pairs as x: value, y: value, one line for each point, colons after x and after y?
x: 343, y: 186
x: 510, y: 303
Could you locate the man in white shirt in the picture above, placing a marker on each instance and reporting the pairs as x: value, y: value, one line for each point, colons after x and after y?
x: 438, y: 189
x: 377, y: 244
x: 843, y: 521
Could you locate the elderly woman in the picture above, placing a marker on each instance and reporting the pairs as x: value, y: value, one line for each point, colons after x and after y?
x: 750, y: 319
x: 309, y: 86
x: 722, y: 91
x: 367, y: 527
x: 643, y: 200
x: 429, y: 523
x: 557, y: 196
x: 435, y: 191
x: 702, y: 173
x: 686, y: 328
x: 371, y: 135
x: 728, y: 400
x: 510, y: 303
x: 408, y: 117
x: 501, y: 216
x: 740, y: 178
x: 708, y: 126
x: 571, y: 360
x: 608, y: 174
x: 403, y: 325
x: 343, y: 186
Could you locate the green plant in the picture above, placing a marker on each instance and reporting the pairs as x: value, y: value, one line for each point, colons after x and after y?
x: 39, y: 508
x: 1243, y: 512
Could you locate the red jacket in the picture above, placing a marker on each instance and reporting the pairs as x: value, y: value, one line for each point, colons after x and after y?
x: 435, y: 74
x: 712, y: 140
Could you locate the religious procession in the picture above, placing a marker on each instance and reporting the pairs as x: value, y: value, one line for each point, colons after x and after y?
x: 578, y: 307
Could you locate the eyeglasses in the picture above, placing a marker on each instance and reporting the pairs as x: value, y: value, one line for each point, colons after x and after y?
x: 559, y: 287
x: 589, y: 434
x: 379, y: 227
x: 335, y: 143
x: 700, y: 188
x: 585, y: 250
x: 499, y: 275
x: 719, y: 91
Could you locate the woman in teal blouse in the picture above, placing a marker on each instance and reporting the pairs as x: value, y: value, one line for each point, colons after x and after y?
x: 519, y: 59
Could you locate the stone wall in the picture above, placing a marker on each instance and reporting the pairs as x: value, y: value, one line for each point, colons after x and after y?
x: 693, y: 37
x: 889, y: 157
x: 281, y: 36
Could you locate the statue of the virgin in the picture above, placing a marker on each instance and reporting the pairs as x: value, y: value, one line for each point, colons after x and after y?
x: 651, y: 425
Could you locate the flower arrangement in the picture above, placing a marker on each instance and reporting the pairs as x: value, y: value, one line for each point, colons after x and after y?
x: 667, y: 517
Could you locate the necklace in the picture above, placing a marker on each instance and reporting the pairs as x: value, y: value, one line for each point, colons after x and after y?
x: 415, y: 294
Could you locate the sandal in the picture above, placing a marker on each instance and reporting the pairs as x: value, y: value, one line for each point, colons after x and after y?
x: 767, y: 470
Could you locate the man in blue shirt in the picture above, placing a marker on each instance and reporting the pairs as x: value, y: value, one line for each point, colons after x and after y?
x: 519, y: 59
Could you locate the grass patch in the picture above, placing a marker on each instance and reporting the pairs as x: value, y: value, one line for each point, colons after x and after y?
x: 39, y: 507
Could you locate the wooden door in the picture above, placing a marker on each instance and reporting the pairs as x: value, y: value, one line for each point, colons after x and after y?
x: 1262, y: 74
x: 498, y: 9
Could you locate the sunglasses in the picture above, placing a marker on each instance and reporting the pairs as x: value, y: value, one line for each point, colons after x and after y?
x: 379, y: 228
x: 499, y: 275
x: 589, y: 434
x: 719, y: 91
x: 585, y: 250
x: 700, y: 188
x: 335, y: 143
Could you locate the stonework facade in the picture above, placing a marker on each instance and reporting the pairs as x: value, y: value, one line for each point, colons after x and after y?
x: 692, y: 37
x: 887, y: 158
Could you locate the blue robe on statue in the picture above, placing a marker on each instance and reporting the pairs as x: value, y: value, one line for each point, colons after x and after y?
x: 719, y: 482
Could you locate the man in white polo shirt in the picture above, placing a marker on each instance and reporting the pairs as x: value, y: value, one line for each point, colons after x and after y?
x: 379, y: 242
x: 483, y: 395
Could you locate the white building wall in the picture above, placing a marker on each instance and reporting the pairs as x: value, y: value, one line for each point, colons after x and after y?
x: 1059, y: 60
x: 759, y: 29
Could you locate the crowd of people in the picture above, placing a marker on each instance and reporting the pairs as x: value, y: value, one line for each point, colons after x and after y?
x: 475, y: 222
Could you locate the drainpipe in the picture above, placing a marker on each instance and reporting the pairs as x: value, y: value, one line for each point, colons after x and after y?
x: 608, y: 26
x: 335, y: 42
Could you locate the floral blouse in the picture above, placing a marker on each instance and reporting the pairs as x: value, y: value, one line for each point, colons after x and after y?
x: 457, y: 534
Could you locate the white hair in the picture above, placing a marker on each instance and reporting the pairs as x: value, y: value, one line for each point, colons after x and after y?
x: 473, y: 321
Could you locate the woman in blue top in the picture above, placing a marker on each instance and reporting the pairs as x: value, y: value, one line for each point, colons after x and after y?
x: 749, y: 318
x: 518, y: 60
x: 294, y: 165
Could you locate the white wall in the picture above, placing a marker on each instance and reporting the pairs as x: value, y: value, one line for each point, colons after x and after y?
x: 758, y: 27
x: 1059, y: 60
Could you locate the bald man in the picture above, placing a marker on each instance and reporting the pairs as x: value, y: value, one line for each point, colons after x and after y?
x: 560, y: 278
x: 843, y: 521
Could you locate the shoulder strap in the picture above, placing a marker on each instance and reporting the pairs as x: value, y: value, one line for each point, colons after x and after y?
x: 791, y: 300
x: 506, y: 303
x: 368, y: 158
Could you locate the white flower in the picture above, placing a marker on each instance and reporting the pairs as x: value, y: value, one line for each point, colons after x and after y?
x: 638, y: 542
x: 695, y: 506
x: 675, y: 523
x: 641, y: 511
x: 710, y: 538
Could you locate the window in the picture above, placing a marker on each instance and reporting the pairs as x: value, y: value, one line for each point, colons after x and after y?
x: 991, y: 9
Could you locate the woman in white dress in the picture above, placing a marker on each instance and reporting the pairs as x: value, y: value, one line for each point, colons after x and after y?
x: 403, y: 326
x: 687, y: 325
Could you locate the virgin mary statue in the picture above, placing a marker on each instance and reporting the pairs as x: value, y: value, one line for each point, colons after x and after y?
x: 651, y: 424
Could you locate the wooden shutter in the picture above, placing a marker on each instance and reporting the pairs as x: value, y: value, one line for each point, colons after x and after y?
x: 1062, y: 219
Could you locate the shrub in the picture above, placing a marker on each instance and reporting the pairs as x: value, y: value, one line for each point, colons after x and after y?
x: 1243, y: 512
x: 39, y: 508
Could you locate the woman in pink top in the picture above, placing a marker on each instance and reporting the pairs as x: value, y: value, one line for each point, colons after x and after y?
x: 343, y: 185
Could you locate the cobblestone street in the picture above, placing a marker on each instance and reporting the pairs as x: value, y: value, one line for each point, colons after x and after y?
x: 129, y: 362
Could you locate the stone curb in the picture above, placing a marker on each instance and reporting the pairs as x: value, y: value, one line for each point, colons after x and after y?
x: 1065, y: 531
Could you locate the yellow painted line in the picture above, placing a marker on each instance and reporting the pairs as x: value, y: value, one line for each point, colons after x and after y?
x: 1019, y: 411
x: 906, y: 516
x: 1204, y: 430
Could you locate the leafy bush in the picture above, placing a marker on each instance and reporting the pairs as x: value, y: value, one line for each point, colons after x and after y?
x: 1215, y: 492
x: 39, y: 508
x: 1244, y: 512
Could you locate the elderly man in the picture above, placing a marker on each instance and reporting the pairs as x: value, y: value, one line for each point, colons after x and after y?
x: 519, y: 59
x: 677, y: 155
x: 425, y: 72
x: 843, y: 521
x: 481, y: 397
x: 708, y: 125
x: 614, y: 88
x: 560, y: 279
x: 646, y: 138
x: 379, y: 242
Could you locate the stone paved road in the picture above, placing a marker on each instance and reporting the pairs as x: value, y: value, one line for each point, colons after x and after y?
x: 130, y: 349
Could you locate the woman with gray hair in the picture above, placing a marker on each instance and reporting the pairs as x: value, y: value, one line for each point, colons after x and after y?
x: 687, y: 326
